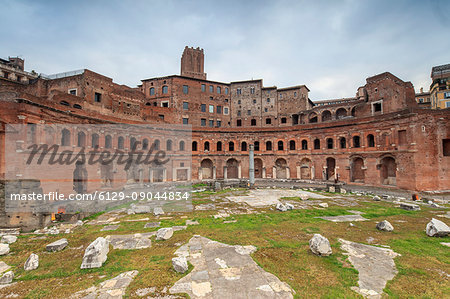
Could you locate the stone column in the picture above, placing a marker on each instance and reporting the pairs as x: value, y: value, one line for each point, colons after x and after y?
x: 225, y: 174
x: 313, y: 173
x: 239, y: 171
x: 252, y: 165
x: 264, y: 172
x: 298, y: 172
x: 288, y: 173
x: 274, y: 172
x: 150, y: 175
x: 164, y: 175
x: 214, y: 170
x: 200, y: 173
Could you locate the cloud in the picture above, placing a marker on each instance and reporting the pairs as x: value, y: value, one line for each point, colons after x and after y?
x: 331, y: 46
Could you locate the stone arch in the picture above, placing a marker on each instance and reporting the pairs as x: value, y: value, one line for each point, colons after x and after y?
x: 326, y: 115
x: 312, y: 117
x: 305, y: 169
x: 357, y: 170
x: 207, y: 166
x: 206, y: 146
x: 219, y: 146
x: 388, y: 171
x: 232, y: 169
x: 341, y: 113
x: 280, y: 168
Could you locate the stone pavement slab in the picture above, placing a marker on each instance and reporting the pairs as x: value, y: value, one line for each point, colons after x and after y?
x: 226, y: 271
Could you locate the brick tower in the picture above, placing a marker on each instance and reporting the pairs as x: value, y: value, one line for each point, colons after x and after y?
x: 192, y: 63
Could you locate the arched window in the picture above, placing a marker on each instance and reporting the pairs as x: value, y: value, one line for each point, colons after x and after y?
x: 292, y: 145
x: 231, y: 146
x: 94, y: 142
x: 144, y: 143
x: 64, y: 103
x: 316, y: 144
x: 253, y: 122
x: 152, y: 91
x: 165, y: 89
x: 356, y: 141
x: 108, y: 141
x: 81, y: 139
x: 156, y: 144
x: 194, y: 146
x: 120, y: 142
x: 133, y: 143
x: 77, y: 106
x: 65, y: 137
x: 256, y: 145
x: 169, y: 145
x: 343, y: 142
x: 268, y: 145
x: 370, y: 140
x: 304, y: 144
x: 206, y: 146
x: 244, y: 146
x: 280, y: 145
x: 330, y: 143
x: 181, y: 146
x: 219, y: 146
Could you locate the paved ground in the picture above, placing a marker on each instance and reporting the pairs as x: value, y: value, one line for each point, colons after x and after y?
x: 225, y: 271
x: 375, y: 266
x: 267, y: 197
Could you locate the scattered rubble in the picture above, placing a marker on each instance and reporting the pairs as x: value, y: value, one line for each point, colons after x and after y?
x: 320, y: 245
x: 437, y: 228
x: 180, y: 264
x: 164, y: 233
x: 409, y: 206
x: 95, y: 254
x: 4, y: 249
x: 8, y: 239
x: 32, y: 262
x: 385, y: 226
x: 57, y: 245
x: 113, y: 288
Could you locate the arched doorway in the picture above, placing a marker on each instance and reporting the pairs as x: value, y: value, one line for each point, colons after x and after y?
x: 207, y: 169
x: 357, y: 170
x: 326, y: 115
x: 258, y: 168
x: 232, y: 169
x: 281, y: 165
x: 331, y: 165
x: 305, y: 169
x: 388, y: 171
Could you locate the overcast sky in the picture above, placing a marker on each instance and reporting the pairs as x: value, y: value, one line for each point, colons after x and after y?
x: 330, y: 46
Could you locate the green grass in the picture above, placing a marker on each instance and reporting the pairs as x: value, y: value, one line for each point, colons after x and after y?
x: 282, y: 240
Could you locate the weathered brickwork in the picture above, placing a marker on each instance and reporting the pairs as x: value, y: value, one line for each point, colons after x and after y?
x: 380, y: 137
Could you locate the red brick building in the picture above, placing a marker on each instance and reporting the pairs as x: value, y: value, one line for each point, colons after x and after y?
x: 380, y: 137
